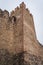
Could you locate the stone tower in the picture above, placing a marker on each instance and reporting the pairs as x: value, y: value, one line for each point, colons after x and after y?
x: 17, y: 35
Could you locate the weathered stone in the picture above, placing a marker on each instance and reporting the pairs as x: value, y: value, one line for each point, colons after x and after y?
x: 18, y: 37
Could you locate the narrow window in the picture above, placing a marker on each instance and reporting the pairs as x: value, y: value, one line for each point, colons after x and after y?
x: 14, y: 18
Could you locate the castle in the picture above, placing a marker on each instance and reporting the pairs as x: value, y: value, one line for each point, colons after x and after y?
x: 17, y: 35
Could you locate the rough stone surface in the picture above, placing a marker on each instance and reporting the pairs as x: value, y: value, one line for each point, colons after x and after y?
x: 18, y: 41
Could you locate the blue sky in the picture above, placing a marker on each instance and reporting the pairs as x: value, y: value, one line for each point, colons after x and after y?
x: 35, y: 7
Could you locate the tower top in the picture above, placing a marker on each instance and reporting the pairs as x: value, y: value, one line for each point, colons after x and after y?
x: 22, y: 5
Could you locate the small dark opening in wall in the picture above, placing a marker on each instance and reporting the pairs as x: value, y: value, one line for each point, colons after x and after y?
x: 14, y: 18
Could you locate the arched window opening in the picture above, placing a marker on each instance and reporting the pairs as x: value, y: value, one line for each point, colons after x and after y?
x: 14, y: 18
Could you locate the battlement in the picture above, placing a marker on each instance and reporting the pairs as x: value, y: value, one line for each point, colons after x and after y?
x: 17, y: 32
x: 18, y: 37
x: 19, y: 8
x: 22, y: 5
x: 4, y: 14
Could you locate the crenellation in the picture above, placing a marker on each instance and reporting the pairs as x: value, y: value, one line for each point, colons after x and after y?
x: 22, y: 5
x: 16, y: 9
x: 5, y: 14
x: 17, y: 35
x: 27, y: 10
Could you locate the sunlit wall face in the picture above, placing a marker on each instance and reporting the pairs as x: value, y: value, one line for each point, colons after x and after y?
x: 35, y: 7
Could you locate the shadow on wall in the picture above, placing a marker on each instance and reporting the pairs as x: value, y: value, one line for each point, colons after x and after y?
x: 7, y: 58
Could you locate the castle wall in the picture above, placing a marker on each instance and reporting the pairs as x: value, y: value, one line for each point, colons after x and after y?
x: 18, y: 42
x: 17, y: 32
x: 11, y: 34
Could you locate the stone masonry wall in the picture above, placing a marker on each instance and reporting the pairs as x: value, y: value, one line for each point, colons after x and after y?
x: 18, y: 41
